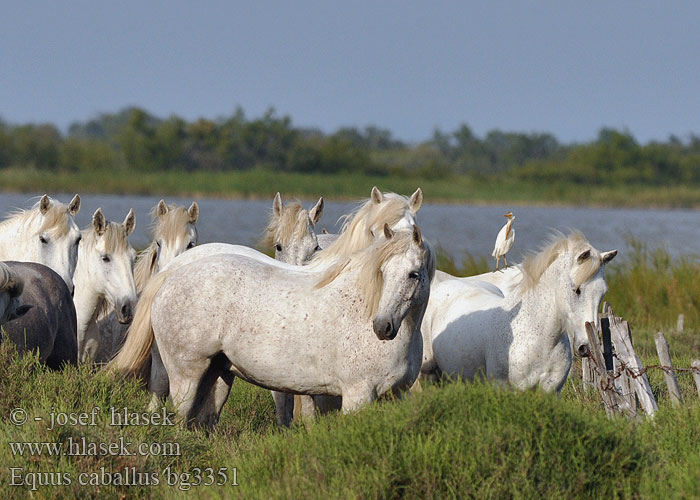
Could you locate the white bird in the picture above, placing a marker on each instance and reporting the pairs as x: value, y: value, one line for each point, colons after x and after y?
x: 504, y: 240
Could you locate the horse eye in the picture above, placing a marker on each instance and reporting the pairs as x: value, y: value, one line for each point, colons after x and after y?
x: 77, y: 242
x: 190, y: 245
x: 317, y: 249
x: 413, y: 275
x: 158, y: 244
x: 278, y: 247
x: 43, y: 240
x: 105, y: 258
x: 578, y: 291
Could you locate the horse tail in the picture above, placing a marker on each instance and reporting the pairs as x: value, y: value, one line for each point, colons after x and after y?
x: 136, y: 351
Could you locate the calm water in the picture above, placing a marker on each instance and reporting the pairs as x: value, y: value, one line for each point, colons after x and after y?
x: 456, y: 228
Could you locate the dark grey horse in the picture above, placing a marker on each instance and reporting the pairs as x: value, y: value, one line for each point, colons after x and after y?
x: 48, y: 325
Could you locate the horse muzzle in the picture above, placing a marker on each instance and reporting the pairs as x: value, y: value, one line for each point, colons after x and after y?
x: 125, y: 313
x: 384, y: 328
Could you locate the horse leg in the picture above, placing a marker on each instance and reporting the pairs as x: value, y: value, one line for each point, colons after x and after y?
x: 284, y: 407
x: 183, y: 392
x: 213, y: 403
x: 355, y: 398
x: 158, y: 382
x: 307, y: 409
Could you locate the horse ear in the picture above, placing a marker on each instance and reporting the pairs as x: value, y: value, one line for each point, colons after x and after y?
x: 74, y: 206
x: 416, y: 200
x: 99, y: 222
x: 277, y: 205
x: 417, y: 235
x: 316, y: 212
x: 162, y: 208
x: 608, y: 256
x: 44, y: 204
x: 388, y: 232
x: 194, y: 212
x: 129, y: 222
x: 583, y: 256
x: 376, y: 195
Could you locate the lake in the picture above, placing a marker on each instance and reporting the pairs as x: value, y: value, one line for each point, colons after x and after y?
x: 456, y: 228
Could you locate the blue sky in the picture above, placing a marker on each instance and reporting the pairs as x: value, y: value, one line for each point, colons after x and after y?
x: 564, y: 67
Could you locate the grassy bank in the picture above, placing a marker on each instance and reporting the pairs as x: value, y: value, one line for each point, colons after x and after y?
x: 265, y: 183
x: 452, y: 440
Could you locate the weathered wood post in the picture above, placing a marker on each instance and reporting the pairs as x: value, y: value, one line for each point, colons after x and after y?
x: 696, y: 373
x: 674, y: 390
x: 681, y: 320
x: 621, y: 336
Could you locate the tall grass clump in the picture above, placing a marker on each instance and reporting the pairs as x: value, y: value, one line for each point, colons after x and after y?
x: 652, y: 288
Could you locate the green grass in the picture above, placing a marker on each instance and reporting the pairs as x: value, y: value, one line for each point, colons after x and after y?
x: 452, y: 440
x: 261, y: 183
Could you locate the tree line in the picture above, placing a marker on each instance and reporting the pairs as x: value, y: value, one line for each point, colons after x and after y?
x: 135, y: 140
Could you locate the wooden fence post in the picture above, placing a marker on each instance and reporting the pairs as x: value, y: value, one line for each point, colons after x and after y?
x: 621, y: 336
x: 681, y: 320
x: 603, y: 380
x: 696, y: 373
x: 587, y: 373
x: 674, y: 391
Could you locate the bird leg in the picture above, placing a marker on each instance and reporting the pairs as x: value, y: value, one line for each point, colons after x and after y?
x: 497, y: 261
x: 506, y: 259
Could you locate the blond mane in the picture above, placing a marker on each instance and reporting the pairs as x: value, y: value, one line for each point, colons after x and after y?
x: 368, y: 264
x: 358, y: 226
x: 534, y: 266
x: 167, y: 227
x: 56, y: 220
x: 291, y: 225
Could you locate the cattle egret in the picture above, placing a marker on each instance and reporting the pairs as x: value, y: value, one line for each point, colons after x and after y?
x: 504, y: 240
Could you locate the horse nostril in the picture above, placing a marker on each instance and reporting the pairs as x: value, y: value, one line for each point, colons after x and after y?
x: 125, y: 313
x: 72, y: 291
x: 583, y: 350
x: 387, y: 329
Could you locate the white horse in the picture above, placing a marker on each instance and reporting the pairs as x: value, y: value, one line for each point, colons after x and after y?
x: 46, y: 234
x: 174, y: 231
x: 359, y: 232
x: 290, y: 231
x: 351, y: 330
x: 520, y: 339
x: 104, y: 285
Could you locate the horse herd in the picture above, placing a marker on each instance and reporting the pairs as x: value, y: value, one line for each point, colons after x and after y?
x: 333, y: 321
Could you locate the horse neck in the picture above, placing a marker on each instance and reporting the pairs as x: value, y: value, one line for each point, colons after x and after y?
x: 14, y: 235
x: 539, y: 309
x: 145, y: 267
